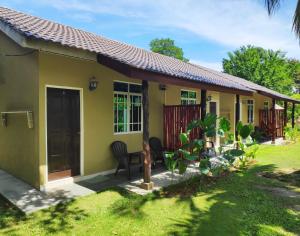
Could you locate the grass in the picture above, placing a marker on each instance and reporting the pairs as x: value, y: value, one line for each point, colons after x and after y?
x: 232, y: 205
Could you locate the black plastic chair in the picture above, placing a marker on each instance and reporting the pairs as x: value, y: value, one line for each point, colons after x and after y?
x: 157, y: 150
x: 126, y: 160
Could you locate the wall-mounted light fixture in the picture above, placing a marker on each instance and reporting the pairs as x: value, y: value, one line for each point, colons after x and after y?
x: 208, y: 99
x: 162, y: 87
x: 93, y: 83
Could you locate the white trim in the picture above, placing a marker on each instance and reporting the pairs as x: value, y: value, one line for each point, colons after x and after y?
x: 188, y: 99
x: 128, y: 94
x: 253, y: 110
x: 218, y: 114
x: 81, y: 131
x: 70, y: 180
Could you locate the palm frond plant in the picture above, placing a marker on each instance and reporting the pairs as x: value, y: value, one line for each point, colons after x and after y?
x: 273, y: 5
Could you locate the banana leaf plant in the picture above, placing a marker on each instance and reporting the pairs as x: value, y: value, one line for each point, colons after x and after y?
x: 191, y: 150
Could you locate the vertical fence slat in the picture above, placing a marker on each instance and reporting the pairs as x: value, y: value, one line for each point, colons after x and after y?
x: 176, y: 119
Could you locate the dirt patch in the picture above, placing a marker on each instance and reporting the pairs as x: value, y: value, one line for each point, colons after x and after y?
x: 281, y: 192
x: 191, y: 186
x: 290, y: 176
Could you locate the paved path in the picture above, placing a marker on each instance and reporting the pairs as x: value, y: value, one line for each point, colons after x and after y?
x: 161, y: 180
x: 29, y: 199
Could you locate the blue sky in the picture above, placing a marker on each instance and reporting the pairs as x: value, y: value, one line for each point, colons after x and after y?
x: 206, y: 29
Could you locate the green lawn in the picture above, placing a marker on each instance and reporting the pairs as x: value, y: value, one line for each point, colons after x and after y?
x: 231, y: 206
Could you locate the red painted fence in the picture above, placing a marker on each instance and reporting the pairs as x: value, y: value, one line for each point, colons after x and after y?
x: 176, y: 119
x: 265, y: 122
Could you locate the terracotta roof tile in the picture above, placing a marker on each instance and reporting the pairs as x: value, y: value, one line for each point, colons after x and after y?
x: 41, y: 29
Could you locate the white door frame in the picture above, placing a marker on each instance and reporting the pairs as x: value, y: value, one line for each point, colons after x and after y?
x: 81, y: 130
x: 218, y: 114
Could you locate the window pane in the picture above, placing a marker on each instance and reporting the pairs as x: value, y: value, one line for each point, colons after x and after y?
x: 184, y: 102
x: 120, y: 87
x: 135, y: 88
x: 120, y: 113
x: 192, y: 102
x: 135, y: 112
x: 192, y: 94
x: 184, y: 94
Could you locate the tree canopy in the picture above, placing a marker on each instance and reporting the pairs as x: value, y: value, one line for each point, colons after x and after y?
x: 166, y: 46
x: 268, y: 68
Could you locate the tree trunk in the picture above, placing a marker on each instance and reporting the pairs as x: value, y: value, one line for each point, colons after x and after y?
x: 146, y: 147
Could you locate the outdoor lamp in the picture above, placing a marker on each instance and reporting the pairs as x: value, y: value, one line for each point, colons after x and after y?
x: 208, y: 98
x: 93, y: 83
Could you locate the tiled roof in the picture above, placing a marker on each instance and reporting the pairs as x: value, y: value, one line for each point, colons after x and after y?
x: 41, y: 29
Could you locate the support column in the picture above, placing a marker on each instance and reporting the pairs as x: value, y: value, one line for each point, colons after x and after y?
x: 284, y: 118
x: 203, y: 103
x: 203, y: 107
x: 293, y: 115
x: 273, y: 128
x: 237, y: 115
x: 147, y: 184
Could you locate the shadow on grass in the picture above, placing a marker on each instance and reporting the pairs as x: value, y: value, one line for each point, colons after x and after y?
x: 57, y: 219
x: 235, y: 206
x: 292, y: 178
x: 9, y: 214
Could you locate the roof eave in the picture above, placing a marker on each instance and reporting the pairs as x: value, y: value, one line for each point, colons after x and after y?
x: 142, y: 74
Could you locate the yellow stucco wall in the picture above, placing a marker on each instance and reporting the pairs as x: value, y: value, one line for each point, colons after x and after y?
x: 19, y: 92
x: 23, y: 82
x: 258, y: 105
x: 97, y: 109
x: 227, y: 107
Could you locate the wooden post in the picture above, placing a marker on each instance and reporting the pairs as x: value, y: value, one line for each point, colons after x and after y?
x: 237, y: 115
x: 147, y: 184
x: 273, y: 121
x: 203, y: 108
x: 293, y: 115
x: 284, y: 118
x: 203, y: 103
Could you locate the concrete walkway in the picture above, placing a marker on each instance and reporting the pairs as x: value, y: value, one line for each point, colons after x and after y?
x: 278, y: 142
x: 161, y: 180
x: 29, y: 199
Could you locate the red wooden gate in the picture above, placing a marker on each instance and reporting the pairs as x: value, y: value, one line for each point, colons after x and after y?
x: 265, y: 122
x: 176, y: 119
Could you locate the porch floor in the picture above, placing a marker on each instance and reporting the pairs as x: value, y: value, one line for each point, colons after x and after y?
x: 29, y: 199
x: 278, y: 141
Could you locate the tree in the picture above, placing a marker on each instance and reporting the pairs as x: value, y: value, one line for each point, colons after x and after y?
x: 273, y: 5
x: 265, y: 67
x: 295, y: 64
x: 166, y: 46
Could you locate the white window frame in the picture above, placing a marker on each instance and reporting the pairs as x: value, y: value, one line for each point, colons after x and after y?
x: 188, y: 99
x: 248, y: 105
x: 266, y: 102
x: 128, y: 123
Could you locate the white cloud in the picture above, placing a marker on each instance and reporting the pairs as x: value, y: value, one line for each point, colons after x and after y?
x: 211, y: 65
x: 227, y: 22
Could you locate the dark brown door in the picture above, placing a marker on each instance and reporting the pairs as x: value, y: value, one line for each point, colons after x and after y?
x: 63, y: 131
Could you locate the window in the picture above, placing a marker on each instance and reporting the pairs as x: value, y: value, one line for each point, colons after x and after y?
x: 266, y: 105
x: 127, y: 107
x: 250, y: 106
x: 188, y: 97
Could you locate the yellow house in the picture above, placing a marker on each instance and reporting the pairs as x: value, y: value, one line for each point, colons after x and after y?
x: 66, y: 95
